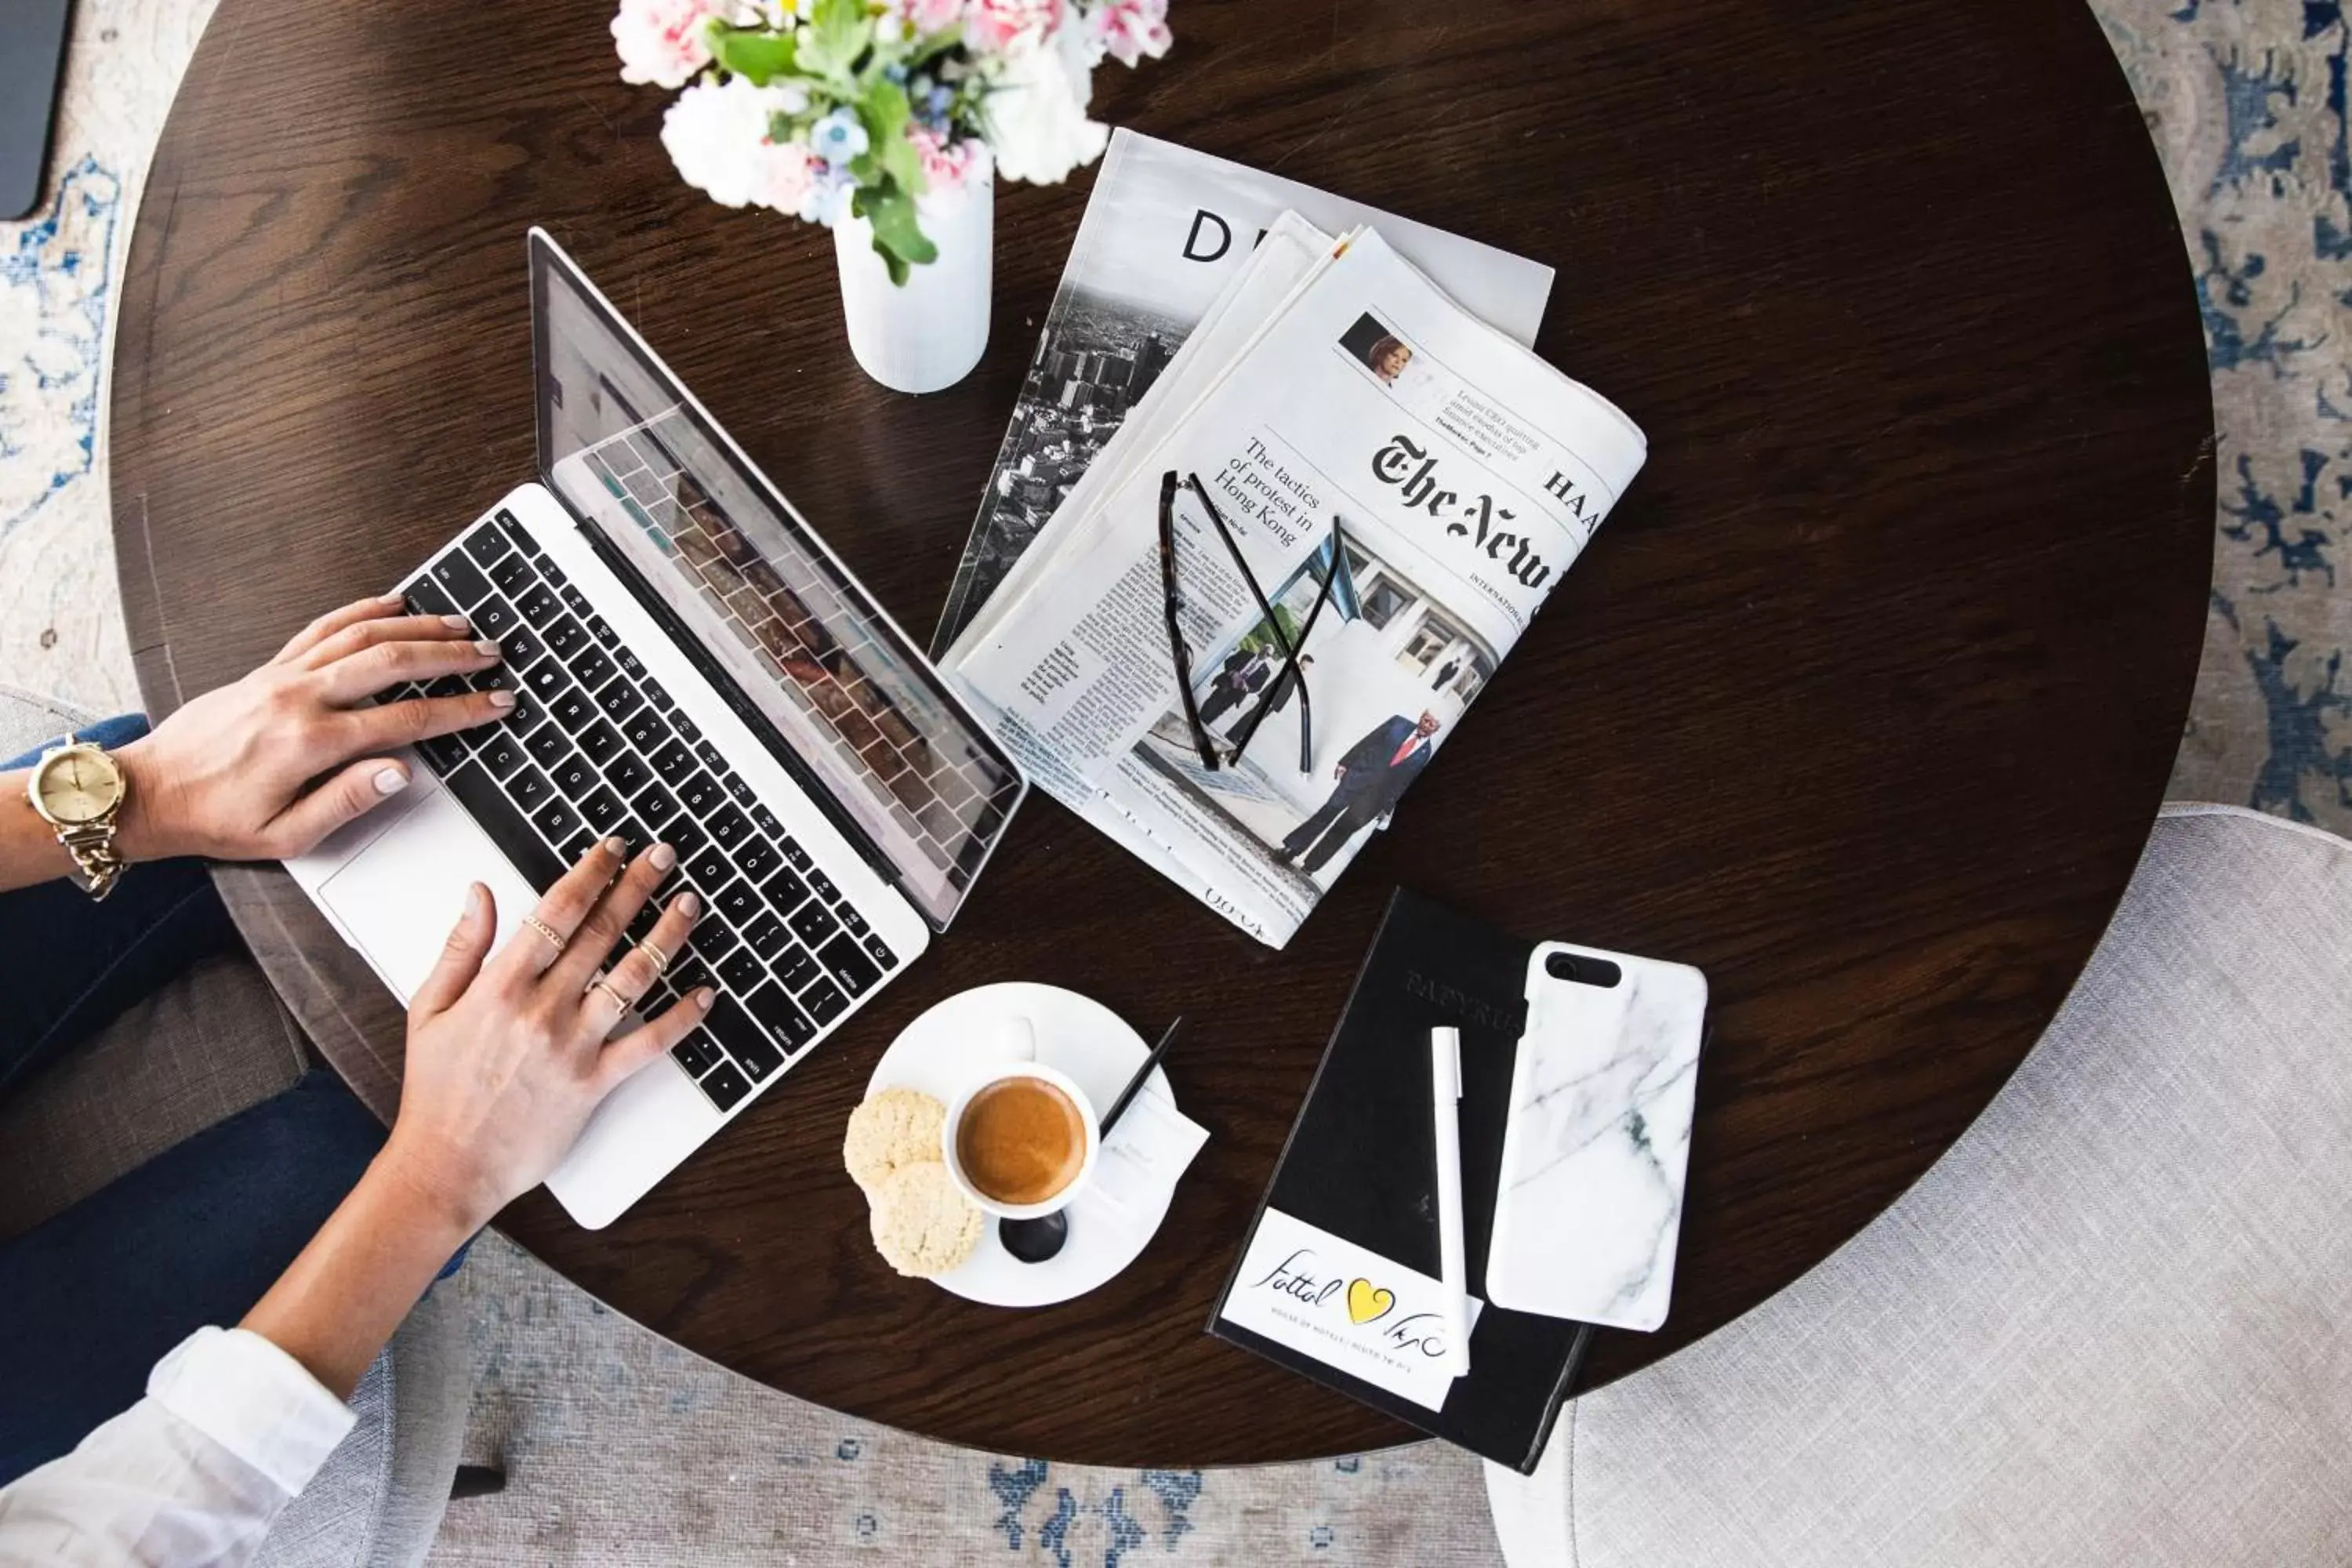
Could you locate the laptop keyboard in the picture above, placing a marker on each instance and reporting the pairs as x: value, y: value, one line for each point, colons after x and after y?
x: 596, y: 747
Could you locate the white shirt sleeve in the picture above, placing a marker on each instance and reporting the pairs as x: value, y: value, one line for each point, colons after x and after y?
x: 231, y: 1430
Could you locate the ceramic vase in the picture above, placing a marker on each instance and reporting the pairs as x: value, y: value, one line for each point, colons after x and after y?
x: 929, y: 333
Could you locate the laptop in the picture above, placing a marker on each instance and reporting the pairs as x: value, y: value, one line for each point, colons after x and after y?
x: 690, y: 662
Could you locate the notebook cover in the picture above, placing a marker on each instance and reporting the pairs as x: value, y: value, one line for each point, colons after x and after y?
x: 1360, y: 1164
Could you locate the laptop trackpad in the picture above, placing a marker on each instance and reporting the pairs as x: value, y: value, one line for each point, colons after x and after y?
x: 398, y: 898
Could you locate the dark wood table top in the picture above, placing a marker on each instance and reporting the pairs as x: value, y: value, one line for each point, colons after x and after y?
x: 1862, y: 701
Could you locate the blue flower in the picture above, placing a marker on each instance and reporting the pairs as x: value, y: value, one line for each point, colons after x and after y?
x: 838, y: 137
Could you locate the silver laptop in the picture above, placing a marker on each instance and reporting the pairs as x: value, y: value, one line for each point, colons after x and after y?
x: 691, y: 663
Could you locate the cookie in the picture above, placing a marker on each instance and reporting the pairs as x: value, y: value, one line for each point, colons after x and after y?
x: 897, y: 1127
x: 922, y: 1224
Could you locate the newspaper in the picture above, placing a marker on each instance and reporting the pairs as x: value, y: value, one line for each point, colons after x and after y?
x: 1405, y: 483
x: 1164, y: 232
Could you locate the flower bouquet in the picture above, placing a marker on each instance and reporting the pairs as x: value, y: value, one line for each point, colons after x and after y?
x: 879, y: 110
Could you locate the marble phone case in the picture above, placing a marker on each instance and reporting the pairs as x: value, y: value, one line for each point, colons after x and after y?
x: 1598, y: 1144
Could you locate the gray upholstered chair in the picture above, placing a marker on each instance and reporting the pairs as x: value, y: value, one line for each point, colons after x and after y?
x: 204, y: 1048
x: 2109, y: 1326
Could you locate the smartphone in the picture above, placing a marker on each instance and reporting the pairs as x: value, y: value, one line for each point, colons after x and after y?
x: 32, y: 59
x: 1596, y: 1148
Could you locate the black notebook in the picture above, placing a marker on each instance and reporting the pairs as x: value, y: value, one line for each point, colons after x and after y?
x: 1337, y: 1278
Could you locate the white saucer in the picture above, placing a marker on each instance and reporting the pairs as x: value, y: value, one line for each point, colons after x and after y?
x: 941, y: 1052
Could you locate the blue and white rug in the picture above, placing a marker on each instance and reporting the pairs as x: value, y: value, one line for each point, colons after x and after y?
x: 626, y: 1450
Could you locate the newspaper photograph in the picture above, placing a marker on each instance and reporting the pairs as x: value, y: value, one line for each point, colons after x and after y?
x: 1274, y: 604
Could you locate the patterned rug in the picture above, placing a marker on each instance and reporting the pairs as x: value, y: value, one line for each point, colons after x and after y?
x: 623, y: 1449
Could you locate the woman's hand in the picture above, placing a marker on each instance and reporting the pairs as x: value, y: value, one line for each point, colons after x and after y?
x: 265, y: 768
x: 507, y: 1060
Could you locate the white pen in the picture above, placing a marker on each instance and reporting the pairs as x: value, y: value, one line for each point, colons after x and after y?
x: 1446, y: 1083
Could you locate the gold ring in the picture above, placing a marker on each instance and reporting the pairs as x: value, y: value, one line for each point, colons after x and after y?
x: 600, y: 983
x: 661, y: 959
x: 543, y: 929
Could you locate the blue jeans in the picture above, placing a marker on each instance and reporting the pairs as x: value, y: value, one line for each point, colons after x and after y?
x: 91, y: 1299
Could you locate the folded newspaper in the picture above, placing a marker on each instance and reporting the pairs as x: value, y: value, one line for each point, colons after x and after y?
x: 1404, y: 484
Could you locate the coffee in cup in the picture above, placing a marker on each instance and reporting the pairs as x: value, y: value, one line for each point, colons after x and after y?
x: 1020, y: 1142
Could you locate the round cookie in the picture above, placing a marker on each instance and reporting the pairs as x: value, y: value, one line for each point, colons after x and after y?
x: 897, y: 1127
x: 922, y: 1224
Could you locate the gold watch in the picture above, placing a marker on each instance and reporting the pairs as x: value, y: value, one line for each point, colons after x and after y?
x: 79, y: 790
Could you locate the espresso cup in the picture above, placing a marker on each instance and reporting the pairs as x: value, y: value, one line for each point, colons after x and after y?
x: 1021, y: 1142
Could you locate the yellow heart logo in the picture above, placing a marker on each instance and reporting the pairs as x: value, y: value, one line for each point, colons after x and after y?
x: 1365, y: 1303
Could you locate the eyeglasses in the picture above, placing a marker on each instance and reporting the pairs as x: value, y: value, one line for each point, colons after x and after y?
x: 1291, y: 676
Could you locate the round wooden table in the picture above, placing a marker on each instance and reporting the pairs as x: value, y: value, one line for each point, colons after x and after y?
x: 1864, y: 700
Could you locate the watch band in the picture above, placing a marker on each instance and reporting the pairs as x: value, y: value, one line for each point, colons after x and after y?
x: 92, y: 848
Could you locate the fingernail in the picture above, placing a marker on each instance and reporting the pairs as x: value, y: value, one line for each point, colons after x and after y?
x: 614, y: 846
x: 663, y: 856
x: 391, y: 781
x: 396, y: 597
x: 501, y: 698
x: 686, y: 904
x: 488, y: 646
x: 704, y: 998
x: 457, y: 623
x: 474, y: 896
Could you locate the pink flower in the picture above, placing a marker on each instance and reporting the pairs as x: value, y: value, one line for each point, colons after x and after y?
x: 948, y: 166
x: 925, y: 17
x: 1129, y: 30
x: 992, y: 26
x: 661, y: 41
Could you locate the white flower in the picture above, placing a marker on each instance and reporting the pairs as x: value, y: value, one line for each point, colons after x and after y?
x: 1036, y: 109
x: 718, y: 136
x: 662, y: 41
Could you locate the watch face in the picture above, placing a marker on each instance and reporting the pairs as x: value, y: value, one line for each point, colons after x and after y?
x: 79, y: 784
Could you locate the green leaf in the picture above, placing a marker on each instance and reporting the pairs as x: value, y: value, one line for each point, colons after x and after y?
x: 836, y: 33
x: 757, y: 55
x: 898, y: 239
x: 885, y: 111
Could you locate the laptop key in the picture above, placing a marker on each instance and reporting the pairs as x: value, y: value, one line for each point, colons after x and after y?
x: 546, y: 681
x: 530, y: 789
x: 771, y: 1007
x: 729, y: 827
x: 520, y: 534
x: 710, y: 869
x: 739, y: 790
x: 711, y: 940
x: 496, y: 816
x: 603, y: 633
x: 646, y: 730
x: 785, y: 891
x: 798, y: 968
x: 591, y: 668
x: 514, y: 573
x: 463, y: 579
x: 548, y: 745
x: 686, y: 729
x: 698, y: 1054
x: 699, y: 794
x: 521, y: 648
x: 849, y: 964
x: 657, y: 806
x: 766, y: 822
x: 566, y: 636
x: 493, y: 616
x: 879, y: 951
x: 732, y: 1027
x: 824, y: 1002
x: 672, y: 761
x: 741, y: 971
x: 662, y: 700
x: 794, y: 855
x: 756, y: 858
x: 426, y: 598
x: 485, y: 543
x: 603, y: 744
x: 605, y: 814
x: 574, y: 777
x: 619, y: 701
x: 525, y: 715
x: 500, y: 754
x: 629, y: 663
x: 576, y: 602
x: 443, y: 752
x: 572, y: 709
x: 557, y: 820
x: 766, y: 934
x: 824, y: 886
x: 710, y: 757
x: 738, y: 901
x: 625, y: 773
x: 724, y: 1085
x: 812, y: 924
x: 537, y: 604
x: 685, y: 835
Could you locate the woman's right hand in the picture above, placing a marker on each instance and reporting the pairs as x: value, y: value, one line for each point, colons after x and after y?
x: 508, y: 1059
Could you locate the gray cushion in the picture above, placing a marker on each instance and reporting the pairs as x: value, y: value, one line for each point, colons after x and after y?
x: 204, y: 1048
x: 2105, y: 1328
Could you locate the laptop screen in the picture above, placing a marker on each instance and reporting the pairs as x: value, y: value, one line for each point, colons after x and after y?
x: 647, y: 469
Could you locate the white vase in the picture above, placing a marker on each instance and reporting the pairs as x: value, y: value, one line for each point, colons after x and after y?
x: 929, y: 333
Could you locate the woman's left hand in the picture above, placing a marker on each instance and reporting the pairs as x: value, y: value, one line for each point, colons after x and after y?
x: 264, y: 768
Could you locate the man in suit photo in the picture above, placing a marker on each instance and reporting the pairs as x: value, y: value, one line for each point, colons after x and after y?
x: 1371, y: 776
x: 1245, y: 670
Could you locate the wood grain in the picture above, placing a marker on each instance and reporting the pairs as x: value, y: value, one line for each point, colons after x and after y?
x: 1862, y: 701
